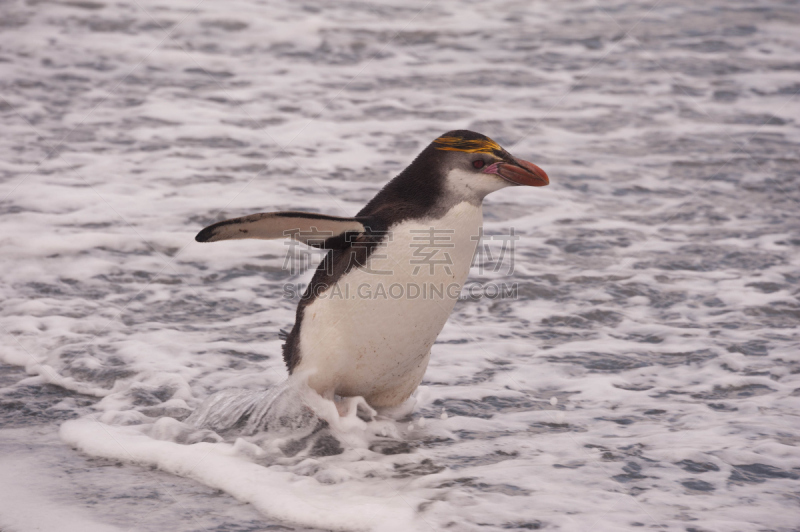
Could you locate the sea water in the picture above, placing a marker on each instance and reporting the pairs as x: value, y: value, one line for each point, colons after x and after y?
x: 642, y: 371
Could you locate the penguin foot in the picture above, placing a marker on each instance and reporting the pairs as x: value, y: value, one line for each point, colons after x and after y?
x: 355, y: 407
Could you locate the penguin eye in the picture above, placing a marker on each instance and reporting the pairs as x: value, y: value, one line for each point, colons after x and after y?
x: 478, y: 163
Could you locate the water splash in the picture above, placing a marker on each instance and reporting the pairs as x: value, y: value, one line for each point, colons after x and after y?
x: 278, y: 410
x: 293, y: 419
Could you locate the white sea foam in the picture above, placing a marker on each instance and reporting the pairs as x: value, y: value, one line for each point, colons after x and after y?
x: 313, y: 500
x: 646, y: 375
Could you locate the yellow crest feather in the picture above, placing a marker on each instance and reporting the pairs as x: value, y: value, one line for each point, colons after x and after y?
x: 469, y: 146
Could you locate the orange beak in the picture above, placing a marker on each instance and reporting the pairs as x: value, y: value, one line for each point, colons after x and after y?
x: 520, y: 173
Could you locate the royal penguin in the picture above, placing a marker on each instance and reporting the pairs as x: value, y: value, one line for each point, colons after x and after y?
x: 393, y: 273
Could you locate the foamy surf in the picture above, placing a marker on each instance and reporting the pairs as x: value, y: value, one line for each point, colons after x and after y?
x: 290, y: 414
x: 232, y: 468
x: 268, y: 448
x: 657, y: 275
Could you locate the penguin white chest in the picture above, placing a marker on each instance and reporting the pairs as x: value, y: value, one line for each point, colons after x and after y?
x: 370, y: 334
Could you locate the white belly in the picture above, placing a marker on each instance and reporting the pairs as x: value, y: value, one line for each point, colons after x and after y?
x: 371, y: 333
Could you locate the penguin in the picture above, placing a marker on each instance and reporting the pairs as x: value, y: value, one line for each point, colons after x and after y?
x: 393, y: 273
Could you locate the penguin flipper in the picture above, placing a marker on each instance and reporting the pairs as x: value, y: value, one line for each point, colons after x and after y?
x: 317, y: 230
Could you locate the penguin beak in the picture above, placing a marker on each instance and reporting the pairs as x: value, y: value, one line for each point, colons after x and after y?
x: 520, y: 172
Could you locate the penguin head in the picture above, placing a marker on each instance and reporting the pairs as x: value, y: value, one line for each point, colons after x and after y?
x: 459, y: 166
x: 474, y: 165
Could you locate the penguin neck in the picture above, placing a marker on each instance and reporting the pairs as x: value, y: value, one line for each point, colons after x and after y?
x: 415, y: 193
x: 429, y: 189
